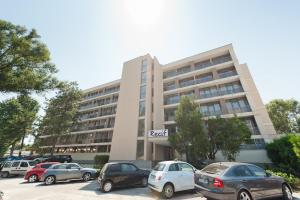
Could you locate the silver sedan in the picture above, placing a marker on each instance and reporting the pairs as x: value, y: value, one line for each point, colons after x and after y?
x: 67, y: 171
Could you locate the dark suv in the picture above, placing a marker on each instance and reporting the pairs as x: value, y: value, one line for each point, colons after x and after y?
x: 118, y: 174
x: 59, y: 158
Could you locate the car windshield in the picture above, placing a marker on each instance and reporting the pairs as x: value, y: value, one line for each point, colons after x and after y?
x: 159, y: 167
x: 215, y: 169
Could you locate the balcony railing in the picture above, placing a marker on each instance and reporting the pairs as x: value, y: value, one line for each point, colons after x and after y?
x: 101, y: 94
x: 227, y: 74
x: 220, y: 93
x: 211, y: 113
x: 94, y: 115
x: 239, y: 110
x: 97, y: 104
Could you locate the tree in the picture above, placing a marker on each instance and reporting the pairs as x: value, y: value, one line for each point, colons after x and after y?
x: 9, y: 114
x: 285, y: 115
x: 30, y: 108
x: 24, y: 61
x: 16, y: 118
x: 234, y: 134
x: 61, y: 112
x: 285, y: 153
x: 190, y: 138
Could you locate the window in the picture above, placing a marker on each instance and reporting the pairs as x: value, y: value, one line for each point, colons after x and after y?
x: 143, y: 78
x: 169, y: 74
x: 141, y: 127
x: 203, y: 64
x: 7, y: 165
x: 128, y: 168
x: 115, y: 168
x: 140, y: 150
x: 31, y: 163
x: 15, y: 164
x: 45, y: 166
x: 257, y: 171
x: 144, y: 65
x: 185, y: 167
x: 142, y: 108
x: 73, y: 166
x: 60, y: 167
x: 173, y: 167
x: 183, y: 70
x: 241, y: 171
x: 24, y: 164
x: 159, y: 167
x: 143, y: 92
x: 215, y: 169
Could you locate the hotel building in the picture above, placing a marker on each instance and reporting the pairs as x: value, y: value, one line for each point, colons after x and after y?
x: 115, y: 117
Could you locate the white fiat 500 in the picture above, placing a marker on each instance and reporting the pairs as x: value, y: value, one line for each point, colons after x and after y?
x: 172, y: 176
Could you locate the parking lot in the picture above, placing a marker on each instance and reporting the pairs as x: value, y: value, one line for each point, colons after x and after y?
x: 16, y: 188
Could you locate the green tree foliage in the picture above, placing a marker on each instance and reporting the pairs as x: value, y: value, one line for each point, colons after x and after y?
x: 234, y: 133
x: 61, y: 112
x: 190, y: 138
x: 285, y: 153
x: 24, y: 61
x: 16, y: 119
x: 285, y: 115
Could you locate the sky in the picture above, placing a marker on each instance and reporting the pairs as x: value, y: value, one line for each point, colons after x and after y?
x: 90, y: 39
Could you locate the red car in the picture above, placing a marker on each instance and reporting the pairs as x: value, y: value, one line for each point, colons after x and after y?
x: 34, y: 174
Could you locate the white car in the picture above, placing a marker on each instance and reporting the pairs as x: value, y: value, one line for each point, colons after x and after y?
x: 172, y: 176
x: 16, y: 167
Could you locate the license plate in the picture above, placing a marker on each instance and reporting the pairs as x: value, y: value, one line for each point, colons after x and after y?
x: 204, y: 181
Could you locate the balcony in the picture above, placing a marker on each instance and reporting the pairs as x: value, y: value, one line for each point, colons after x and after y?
x: 220, y: 92
x: 211, y: 113
x: 239, y: 110
x: 109, y: 91
x: 227, y: 74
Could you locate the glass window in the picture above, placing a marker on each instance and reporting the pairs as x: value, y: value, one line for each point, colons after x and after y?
x: 142, y: 108
x: 141, y: 127
x: 173, y: 167
x: 143, y: 78
x: 159, y: 167
x: 215, y: 169
x: 143, y: 92
x: 24, y: 164
x: 31, y: 163
x: 241, y: 171
x: 128, y: 168
x: 185, y: 167
x: 144, y: 65
x: 45, y: 166
x: 74, y: 166
x: 60, y: 167
x: 15, y: 164
x: 115, y: 168
x: 140, y: 150
x: 257, y: 171
x: 183, y: 70
x: 7, y: 164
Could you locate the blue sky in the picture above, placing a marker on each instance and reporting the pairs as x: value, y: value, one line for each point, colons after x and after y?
x: 90, y: 39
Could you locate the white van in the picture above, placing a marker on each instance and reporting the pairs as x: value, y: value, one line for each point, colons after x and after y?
x: 16, y: 167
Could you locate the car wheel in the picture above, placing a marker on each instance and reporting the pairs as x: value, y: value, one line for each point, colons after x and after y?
x: 86, y: 176
x: 145, y: 182
x: 168, y: 191
x: 5, y: 174
x: 286, y: 193
x: 244, y: 195
x: 107, y: 186
x: 50, y: 180
x: 33, y: 178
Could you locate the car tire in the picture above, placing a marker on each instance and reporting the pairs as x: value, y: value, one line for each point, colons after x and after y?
x: 286, y: 193
x: 107, y: 186
x: 144, y: 182
x: 86, y: 176
x: 168, y: 191
x: 244, y: 195
x: 5, y: 174
x: 32, y: 178
x: 49, y: 180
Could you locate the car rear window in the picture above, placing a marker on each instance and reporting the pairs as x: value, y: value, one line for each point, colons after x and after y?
x: 31, y: 163
x: 215, y: 169
x: 45, y: 166
x: 159, y: 167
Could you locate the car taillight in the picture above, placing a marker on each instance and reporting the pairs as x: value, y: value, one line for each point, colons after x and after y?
x: 158, y: 178
x: 218, y: 183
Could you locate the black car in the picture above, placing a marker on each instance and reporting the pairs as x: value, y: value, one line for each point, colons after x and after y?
x: 59, y: 158
x: 115, y: 175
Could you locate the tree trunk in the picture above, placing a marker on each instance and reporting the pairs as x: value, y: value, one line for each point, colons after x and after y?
x: 187, y: 154
x: 22, y: 144
x: 12, y: 149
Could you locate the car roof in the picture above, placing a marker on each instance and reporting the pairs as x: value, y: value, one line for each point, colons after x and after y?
x: 172, y: 162
x: 21, y: 161
x: 45, y: 163
x: 230, y: 164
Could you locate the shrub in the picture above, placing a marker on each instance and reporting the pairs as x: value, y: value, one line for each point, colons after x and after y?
x: 100, y: 161
x: 285, y: 153
x: 289, y: 178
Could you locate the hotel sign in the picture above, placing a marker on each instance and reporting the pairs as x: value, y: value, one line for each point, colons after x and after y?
x: 158, y: 133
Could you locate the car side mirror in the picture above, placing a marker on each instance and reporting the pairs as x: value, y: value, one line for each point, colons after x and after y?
x: 268, y: 174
